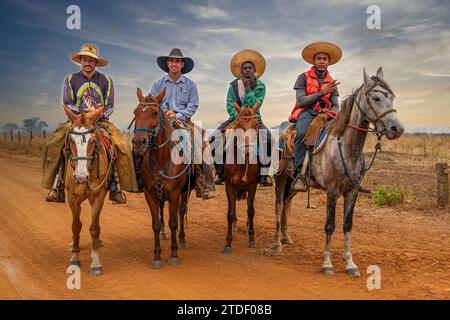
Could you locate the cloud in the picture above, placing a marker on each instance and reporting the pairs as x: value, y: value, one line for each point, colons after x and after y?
x: 206, y: 12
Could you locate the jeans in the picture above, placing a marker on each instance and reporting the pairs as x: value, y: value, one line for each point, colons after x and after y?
x: 303, y: 122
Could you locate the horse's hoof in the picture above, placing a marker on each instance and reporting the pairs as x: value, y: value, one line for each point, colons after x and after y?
x: 75, y: 263
x: 96, y: 271
x: 353, y: 272
x: 287, y: 240
x: 100, y: 243
x: 252, y: 244
x: 182, y: 245
x: 227, y: 250
x: 273, y: 250
x: 328, y: 271
x: 173, y: 261
x: 162, y: 236
x: 157, y: 264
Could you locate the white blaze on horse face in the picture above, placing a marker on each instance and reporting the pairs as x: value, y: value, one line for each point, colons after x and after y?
x: 81, y: 169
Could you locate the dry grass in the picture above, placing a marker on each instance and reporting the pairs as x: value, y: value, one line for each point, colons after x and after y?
x: 31, y: 148
x: 436, y: 146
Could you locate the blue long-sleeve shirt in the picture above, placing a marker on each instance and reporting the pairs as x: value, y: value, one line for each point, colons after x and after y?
x: 181, y: 96
x: 100, y: 88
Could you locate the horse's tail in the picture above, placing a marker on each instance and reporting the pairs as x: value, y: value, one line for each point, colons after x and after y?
x: 242, y: 194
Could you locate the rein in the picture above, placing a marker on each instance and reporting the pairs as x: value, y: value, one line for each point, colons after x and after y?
x: 156, y: 167
x: 379, y: 135
x: 95, y: 155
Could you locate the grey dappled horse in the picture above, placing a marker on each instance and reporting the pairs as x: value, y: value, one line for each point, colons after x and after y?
x: 339, y: 166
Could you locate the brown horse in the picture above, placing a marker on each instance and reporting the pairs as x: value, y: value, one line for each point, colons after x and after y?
x: 86, y: 178
x: 241, y: 175
x: 338, y: 167
x: 163, y: 179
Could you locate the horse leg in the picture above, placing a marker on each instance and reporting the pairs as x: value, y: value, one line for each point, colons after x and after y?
x: 332, y: 195
x: 174, y: 204
x: 162, y: 233
x: 76, y: 229
x: 280, y: 187
x: 349, y: 205
x: 156, y: 225
x: 286, y: 239
x: 231, y: 216
x: 97, y: 205
x: 183, y: 209
x: 250, y: 216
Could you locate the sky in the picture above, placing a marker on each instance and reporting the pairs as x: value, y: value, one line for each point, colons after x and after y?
x: 412, y: 46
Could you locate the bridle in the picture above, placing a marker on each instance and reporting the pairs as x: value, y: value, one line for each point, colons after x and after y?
x: 244, y: 145
x: 154, y: 131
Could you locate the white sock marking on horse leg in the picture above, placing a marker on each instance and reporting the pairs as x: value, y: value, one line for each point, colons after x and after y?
x: 95, y: 259
x: 327, y: 255
x: 348, y: 253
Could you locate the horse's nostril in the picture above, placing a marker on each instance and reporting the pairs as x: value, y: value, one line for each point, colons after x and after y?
x: 394, y: 129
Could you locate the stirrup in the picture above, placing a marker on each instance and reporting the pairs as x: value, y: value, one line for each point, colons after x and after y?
x: 56, y: 195
x: 265, y: 181
x: 299, y: 184
x: 117, y: 197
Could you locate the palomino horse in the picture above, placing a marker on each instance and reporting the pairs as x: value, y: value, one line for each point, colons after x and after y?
x: 339, y: 167
x: 86, y: 178
x: 163, y: 179
x: 242, y: 179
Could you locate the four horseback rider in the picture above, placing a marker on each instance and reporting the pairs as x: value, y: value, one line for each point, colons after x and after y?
x: 83, y: 91
x: 315, y: 91
x: 181, y: 102
x: 247, y: 89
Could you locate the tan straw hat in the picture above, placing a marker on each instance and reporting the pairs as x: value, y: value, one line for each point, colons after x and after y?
x: 332, y: 50
x: 248, y: 55
x: 89, y: 50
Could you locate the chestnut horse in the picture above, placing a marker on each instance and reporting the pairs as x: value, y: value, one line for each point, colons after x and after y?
x: 241, y: 177
x: 86, y: 178
x: 163, y: 179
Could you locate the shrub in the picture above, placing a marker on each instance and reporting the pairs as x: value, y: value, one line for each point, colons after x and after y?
x: 383, y: 196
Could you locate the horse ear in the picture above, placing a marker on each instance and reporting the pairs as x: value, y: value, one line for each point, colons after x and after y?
x: 237, y: 108
x: 139, y: 94
x: 367, y: 80
x: 161, y: 95
x: 95, y: 114
x: 72, y: 116
x: 380, y: 74
x: 256, y: 107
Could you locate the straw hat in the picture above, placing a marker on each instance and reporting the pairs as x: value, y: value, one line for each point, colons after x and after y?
x: 176, y: 54
x: 332, y: 50
x: 248, y: 55
x: 89, y: 50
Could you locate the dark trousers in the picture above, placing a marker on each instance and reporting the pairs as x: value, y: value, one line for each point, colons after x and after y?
x: 303, y: 122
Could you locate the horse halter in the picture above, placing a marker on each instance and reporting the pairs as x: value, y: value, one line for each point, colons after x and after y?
x: 83, y: 134
x: 144, y: 109
x: 255, y: 144
x: 369, y: 103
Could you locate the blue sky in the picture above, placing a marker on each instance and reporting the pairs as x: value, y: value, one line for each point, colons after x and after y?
x: 412, y: 46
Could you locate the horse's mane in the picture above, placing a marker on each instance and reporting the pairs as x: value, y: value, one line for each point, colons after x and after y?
x: 343, y: 116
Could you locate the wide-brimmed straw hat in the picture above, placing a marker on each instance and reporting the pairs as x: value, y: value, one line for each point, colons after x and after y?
x: 176, y: 54
x: 89, y: 50
x: 332, y: 50
x: 248, y: 55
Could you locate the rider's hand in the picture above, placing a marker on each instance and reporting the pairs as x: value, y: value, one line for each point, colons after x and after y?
x: 247, y: 83
x: 329, y: 87
x: 171, y: 115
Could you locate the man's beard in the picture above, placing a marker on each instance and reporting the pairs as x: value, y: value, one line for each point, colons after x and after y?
x: 88, y: 69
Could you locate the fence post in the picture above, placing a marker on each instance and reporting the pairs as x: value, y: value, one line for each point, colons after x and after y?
x: 19, y: 137
x: 43, y: 134
x: 442, y: 171
x: 31, y: 135
x: 5, y: 136
x: 11, y: 134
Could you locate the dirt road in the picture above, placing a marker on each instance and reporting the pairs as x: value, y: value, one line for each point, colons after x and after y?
x: 409, y: 244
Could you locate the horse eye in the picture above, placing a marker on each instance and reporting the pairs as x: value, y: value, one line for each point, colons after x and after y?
x: 377, y: 99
